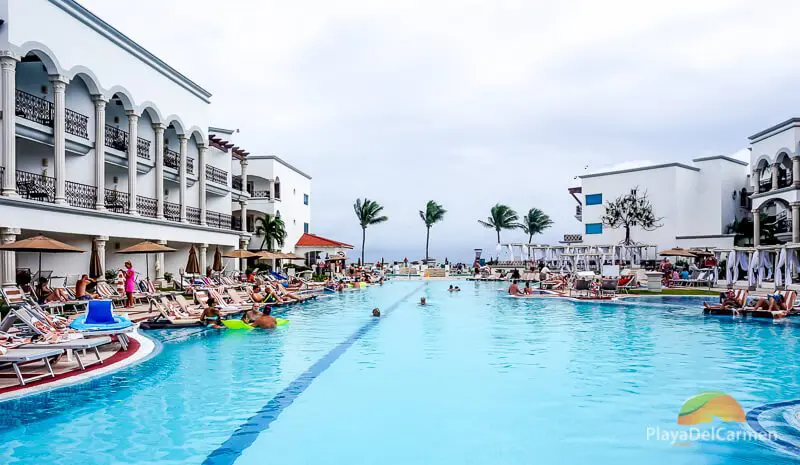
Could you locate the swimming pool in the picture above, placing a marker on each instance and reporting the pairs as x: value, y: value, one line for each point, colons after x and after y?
x: 473, y: 377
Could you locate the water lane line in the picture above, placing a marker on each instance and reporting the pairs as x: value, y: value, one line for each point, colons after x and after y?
x: 245, y: 435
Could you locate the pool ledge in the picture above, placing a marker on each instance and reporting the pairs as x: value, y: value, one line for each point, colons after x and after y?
x: 145, y: 348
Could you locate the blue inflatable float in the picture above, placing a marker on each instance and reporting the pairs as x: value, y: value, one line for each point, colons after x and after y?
x: 99, y: 317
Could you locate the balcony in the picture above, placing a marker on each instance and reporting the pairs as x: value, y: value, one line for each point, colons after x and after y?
x: 236, y: 183
x: 41, y: 111
x: 116, y: 201
x: 172, y: 211
x: 192, y: 215
x: 190, y: 165
x: 117, y: 139
x: 579, y: 212
x: 217, y: 175
x: 34, y: 186
x: 80, y: 195
x: 147, y: 206
x: 172, y: 159
x: 220, y: 220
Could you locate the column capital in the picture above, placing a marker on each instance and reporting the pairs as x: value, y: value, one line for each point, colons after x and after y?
x: 9, y: 57
x: 161, y: 242
x: 100, y: 238
x: 754, y: 211
x: 202, y: 246
x: 243, y: 202
x: 182, y: 138
x: 59, y: 81
x: 131, y: 114
x: 201, y: 146
x: 159, y: 127
x: 243, y: 162
x: 99, y: 100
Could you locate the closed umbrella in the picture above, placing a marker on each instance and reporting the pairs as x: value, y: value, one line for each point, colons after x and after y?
x: 217, y: 266
x: 193, y: 265
x: 40, y: 244
x: 146, y: 247
x: 95, y: 267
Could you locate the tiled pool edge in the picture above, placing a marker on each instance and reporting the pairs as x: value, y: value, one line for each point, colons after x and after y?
x: 244, y: 436
x: 147, y: 349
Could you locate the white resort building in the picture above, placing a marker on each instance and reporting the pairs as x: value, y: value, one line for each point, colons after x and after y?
x: 101, y: 141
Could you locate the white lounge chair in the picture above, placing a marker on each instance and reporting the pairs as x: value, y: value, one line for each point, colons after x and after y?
x: 17, y: 357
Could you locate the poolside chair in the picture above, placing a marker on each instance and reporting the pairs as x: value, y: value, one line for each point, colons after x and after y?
x: 106, y: 291
x: 74, y: 347
x: 608, y: 287
x: 170, y: 313
x: 17, y: 357
x: 187, y: 307
x: 580, y: 286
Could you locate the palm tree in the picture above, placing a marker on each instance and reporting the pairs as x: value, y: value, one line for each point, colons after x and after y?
x: 433, y: 214
x: 272, y: 228
x: 368, y: 212
x: 501, y: 217
x: 535, y: 222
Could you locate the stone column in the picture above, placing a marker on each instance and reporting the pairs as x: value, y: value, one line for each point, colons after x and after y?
x: 133, y: 137
x: 100, y: 152
x: 100, y: 241
x: 241, y: 264
x: 796, y: 222
x: 159, y: 135
x: 59, y: 136
x: 201, y: 178
x: 183, y: 144
x: 8, y: 125
x: 203, y: 251
x: 272, y: 189
x: 243, y: 206
x: 756, y: 229
x: 9, y: 257
x: 161, y: 265
x: 774, y: 176
x: 243, y: 163
x: 796, y: 171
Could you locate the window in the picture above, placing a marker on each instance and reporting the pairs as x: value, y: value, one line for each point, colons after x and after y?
x: 305, y: 227
x: 594, y: 228
x: 305, y: 199
x: 594, y: 199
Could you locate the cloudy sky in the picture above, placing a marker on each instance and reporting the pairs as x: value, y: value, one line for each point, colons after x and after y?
x: 472, y: 103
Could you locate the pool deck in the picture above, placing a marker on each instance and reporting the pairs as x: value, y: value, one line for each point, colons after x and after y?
x: 67, y: 372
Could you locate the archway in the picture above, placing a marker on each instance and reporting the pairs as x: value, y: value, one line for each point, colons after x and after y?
x: 776, y: 222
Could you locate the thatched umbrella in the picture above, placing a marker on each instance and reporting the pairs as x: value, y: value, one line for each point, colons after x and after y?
x: 217, y: 266
x: 95, y: 267
x: 40, y: 244
x: 193, y: 265
x: 146, y: 247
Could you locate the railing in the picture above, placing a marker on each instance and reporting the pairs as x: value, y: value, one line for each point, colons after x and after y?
x: 142, y: 148
x: 190, y: 165
x: 39, y: 110
x: 80, y: 195
x: 36, y: 186
x: 259, y: 194
x: 216, y: 175
x: 236, y: 224
x: 146, y: 206
x: 219, y: 220
x: 172, y: 211
x: 76, y: 123
x: 192, y: 215
x: 172, y: 159
x: 116, y: 201
x: 33, y: 108
x: 573, y: 238
x: 236, y: 183
x: 116, y: 138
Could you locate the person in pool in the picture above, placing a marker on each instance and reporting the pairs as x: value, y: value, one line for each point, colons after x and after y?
x: 513, y: 289
x: 457, y: 289
x: 423, y: 300
x: 266, y: 320
x: 376, y: 312
x: 527, y: 290
x: 211, y: 316
x: 251, y: 315
x: 451, y: 288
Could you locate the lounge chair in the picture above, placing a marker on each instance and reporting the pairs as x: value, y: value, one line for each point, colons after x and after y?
x: 608, y: 287
x: 580, y: 286
x: 74, y: 346
x: 17, y: 357
x: 187, y: 307
x: 107, y: 291
x: 173, y: 314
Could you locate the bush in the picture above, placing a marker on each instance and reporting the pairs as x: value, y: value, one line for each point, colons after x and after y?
x: 320, y: 278
x: 111, y: 275
x: 168, y: 276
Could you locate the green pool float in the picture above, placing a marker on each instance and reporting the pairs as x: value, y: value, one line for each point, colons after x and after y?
x: 239, y: 324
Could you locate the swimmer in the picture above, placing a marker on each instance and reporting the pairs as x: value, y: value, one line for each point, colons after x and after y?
x: 266, y: 320
x: 422, y: 301
x: 376, y: 312
x: 457, y: 289
x: 451, y: 288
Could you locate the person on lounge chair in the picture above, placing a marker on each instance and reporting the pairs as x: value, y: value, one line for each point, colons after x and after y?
x: 773, y: 303
x: 80, y: 288
x: 266, y: 320
x: 255, y: 294
x: 727, y: 301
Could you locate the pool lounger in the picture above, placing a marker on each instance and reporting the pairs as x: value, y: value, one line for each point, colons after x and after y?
x: 753, y: 313
x: 15, y: 357
x: 72, y: 348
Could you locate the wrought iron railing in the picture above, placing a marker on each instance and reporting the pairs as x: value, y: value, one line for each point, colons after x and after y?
x: 146, y: 206
x: 80, y: 195
x: 116, y: 201
x: 172, y: 159
x: 216, y: 175
x: 143, y: 148
x: 192, y: 215
x: 219, y: 220
x: 259, y: 194
x: 76, y: 123
x: 116, y: 138
x: 236, y: 224
x: 236, y: 183
x: 36, y: 186
x: 190, y: 165
x: 33, y: 108
x: 172, y: 211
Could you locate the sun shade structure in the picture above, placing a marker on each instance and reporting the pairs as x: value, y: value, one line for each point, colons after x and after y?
x: 676, y: 252
x: 267, y: 255
x: 239, y: 253
x: 217, y: 266
x: 146, y: 247
x: 41, y: 244
x: 193, y: 265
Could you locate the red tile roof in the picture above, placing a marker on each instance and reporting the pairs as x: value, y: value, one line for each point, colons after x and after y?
x: 312, y: 240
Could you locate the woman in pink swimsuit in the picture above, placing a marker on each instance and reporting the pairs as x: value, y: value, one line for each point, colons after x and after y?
x: 130, y: 283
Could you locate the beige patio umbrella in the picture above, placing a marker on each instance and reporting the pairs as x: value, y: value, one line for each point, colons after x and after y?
x: 239, y: 253
x: 40, y: 244
x: 146, y: 247
x: 676, y: 252
x: 193, y: 265
x: 267, y: 255
x: 217, y: 266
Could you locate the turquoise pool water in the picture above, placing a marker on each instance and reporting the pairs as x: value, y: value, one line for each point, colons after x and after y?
x: 474, y: 377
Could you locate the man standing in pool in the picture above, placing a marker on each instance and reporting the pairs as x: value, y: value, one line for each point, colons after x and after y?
x: 266, y: 320
x: 513, y: 289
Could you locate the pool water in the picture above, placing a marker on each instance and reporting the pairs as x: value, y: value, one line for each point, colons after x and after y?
x: 473, y: 377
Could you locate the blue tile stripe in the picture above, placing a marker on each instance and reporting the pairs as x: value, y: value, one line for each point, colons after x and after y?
x: 755, y: 424
x: 245, y: 435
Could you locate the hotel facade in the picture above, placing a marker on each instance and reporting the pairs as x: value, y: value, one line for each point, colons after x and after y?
x: 102, y: 142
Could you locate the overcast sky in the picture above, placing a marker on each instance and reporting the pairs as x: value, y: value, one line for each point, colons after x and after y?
x: 472, y: 103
